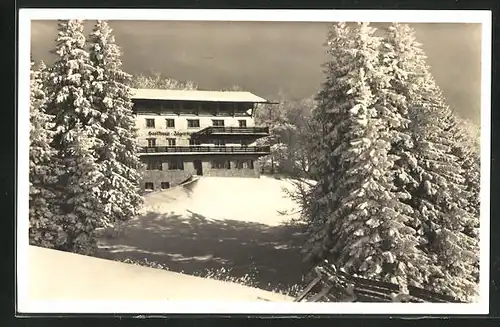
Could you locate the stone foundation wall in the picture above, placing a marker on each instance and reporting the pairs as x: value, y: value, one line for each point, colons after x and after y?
x: 175, y: 177
x: 232, y: 171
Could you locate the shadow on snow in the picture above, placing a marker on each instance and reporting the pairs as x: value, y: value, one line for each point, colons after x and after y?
x: 196, y: 244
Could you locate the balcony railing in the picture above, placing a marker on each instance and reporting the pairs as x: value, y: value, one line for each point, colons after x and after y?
x: 216, y: 130
x: 205, y: 149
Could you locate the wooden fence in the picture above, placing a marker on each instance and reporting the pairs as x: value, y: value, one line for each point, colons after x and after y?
x: 331, y: 285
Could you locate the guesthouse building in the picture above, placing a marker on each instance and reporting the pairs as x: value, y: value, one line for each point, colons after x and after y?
x: 186, y: 133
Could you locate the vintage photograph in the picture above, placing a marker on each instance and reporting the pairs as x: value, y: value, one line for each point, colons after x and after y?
x: 288, y: 163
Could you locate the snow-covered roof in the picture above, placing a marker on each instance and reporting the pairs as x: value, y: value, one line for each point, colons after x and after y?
x: 197, y: 95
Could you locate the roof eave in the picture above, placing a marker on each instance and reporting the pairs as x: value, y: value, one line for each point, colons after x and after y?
x: 207, y: 100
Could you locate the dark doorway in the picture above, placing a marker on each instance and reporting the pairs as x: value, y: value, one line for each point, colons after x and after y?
x: 199, y: 168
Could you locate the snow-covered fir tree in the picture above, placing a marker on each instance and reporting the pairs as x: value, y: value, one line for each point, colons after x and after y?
x: 330, y: 119
x: 467, y: 149
x: 44, y: 71
x: 403, y: 60
x: 358, y: 222
x: 447, y: 226
x: 429, y: 172
x: 70, y: 78
x: 83, y: 210
x: 469, y: 157
x: 117, y: 152
x: 44, y: 215
x: 404, y: 63
x: 69, y: 89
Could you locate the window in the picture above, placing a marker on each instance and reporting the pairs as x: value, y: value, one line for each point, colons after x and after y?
x: 211, y: 107
x: 219, y: 142
x: 149, y: 186
x: 171, y: 107
x: 243, y: 109
x: 191, y: 108
x: 153, y: 164
x: 194, y: 142
x: 151, y: 142
x: 221, y: 164
x: 242, y: 123
x: 165, y: 185
x: 176, y: 164
x: 244, y: 164
x: 150, y: 123
x: 171, y: 142
x: 226, y: 107
x: 218, y: 122
x: 167, y: 108
x: 193, y: 123
x: 170, y: 123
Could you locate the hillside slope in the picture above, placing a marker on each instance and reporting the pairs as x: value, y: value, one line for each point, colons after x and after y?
x: 56, y: 275
x: 229, y: 227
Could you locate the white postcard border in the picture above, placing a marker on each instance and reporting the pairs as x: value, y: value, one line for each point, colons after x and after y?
x: 25, y: 305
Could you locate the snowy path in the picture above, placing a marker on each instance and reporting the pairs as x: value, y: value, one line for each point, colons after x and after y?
x: 188, y: 231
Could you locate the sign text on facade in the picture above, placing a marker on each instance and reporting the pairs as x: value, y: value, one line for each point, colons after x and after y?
x: 175, y: 133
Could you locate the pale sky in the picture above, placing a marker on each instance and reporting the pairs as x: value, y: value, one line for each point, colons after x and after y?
x: 267, y: 58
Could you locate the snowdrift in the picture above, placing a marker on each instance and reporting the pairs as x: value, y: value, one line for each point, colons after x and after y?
x: 260, y: 200
x: 56, y: 275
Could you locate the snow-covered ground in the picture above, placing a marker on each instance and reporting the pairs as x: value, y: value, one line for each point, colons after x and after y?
x: 258, y: 200
x: 56, y: 275
x: 214, y: 224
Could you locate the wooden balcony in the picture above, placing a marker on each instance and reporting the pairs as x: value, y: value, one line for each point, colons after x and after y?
x: 198, y: 149
x: 250, y: 131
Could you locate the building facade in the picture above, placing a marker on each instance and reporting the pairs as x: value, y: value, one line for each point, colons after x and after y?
x: 184, y: 133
